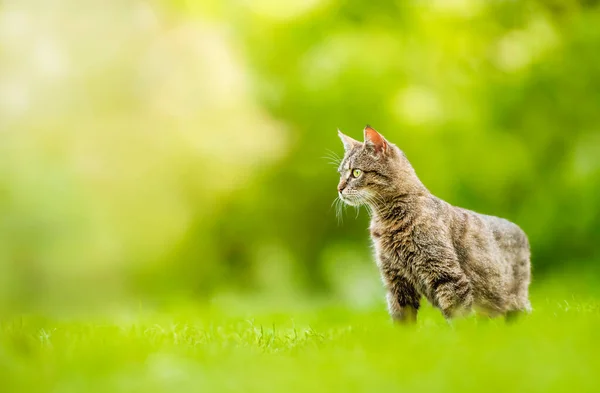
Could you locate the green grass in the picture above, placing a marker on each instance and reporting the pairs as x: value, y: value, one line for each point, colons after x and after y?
x: 316, y: 349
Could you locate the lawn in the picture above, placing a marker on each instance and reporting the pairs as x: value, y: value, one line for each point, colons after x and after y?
x: 319, y: 347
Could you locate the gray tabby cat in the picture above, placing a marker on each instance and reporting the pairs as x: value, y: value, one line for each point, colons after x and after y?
x: 457, y: 259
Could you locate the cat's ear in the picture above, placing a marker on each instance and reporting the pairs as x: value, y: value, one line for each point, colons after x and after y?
x: 375, y: 140
x: 348, y: 142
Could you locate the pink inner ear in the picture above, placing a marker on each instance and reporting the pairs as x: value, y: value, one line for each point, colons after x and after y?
x: 375, y: 138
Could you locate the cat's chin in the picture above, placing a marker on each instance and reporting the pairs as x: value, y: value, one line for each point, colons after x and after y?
x: 350, y: 201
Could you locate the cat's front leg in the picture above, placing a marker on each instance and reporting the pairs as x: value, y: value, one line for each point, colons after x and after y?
x: 402, y: 299
x: 447, y: 287
x: 443, y: 281
x: 453, y: 295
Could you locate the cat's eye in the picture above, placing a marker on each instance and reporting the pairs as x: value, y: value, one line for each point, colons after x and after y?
x: 356, y: 173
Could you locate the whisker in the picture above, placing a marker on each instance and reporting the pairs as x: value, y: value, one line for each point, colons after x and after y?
x: 333, y: 154
x: 335, y: 206
x: 370, y: 200
x: 332, y: 161
x: 338, y: 210
x: 340, y: 213
x: 332, y: 158
x: 333, y: 203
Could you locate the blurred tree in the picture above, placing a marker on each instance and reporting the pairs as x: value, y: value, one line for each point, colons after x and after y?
x: 190, y: 158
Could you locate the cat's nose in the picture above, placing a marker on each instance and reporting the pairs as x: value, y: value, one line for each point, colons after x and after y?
x: 341, y: 185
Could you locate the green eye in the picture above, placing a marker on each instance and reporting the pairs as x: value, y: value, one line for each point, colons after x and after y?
x: 356, y: 172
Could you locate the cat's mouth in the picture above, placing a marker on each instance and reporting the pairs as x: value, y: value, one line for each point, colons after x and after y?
x: 351, y: 199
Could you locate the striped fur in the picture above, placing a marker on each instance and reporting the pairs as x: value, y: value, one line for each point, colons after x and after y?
x: 457, y: 259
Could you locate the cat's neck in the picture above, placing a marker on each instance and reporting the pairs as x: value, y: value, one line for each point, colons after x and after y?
x: 401, y: 205
x: 404, y: 199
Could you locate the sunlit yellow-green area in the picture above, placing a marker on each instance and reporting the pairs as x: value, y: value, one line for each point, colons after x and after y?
x: 166, y: 189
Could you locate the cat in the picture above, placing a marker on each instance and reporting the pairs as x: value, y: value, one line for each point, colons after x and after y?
x: 460, y: 261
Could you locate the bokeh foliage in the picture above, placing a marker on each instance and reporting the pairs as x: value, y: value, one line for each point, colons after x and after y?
x: 177, y: 148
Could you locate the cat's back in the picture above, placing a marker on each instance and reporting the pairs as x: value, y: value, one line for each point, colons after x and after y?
x: 501, y: 231
x: 429, y: 221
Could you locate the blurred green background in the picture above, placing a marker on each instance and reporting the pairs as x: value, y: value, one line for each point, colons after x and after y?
x: 164, y: 150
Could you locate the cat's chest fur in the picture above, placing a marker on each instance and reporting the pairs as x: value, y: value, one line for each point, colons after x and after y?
x: 394, y: 247
x: 397, y: 253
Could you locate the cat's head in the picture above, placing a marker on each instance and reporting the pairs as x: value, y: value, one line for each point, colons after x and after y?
x: 373, y: 170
